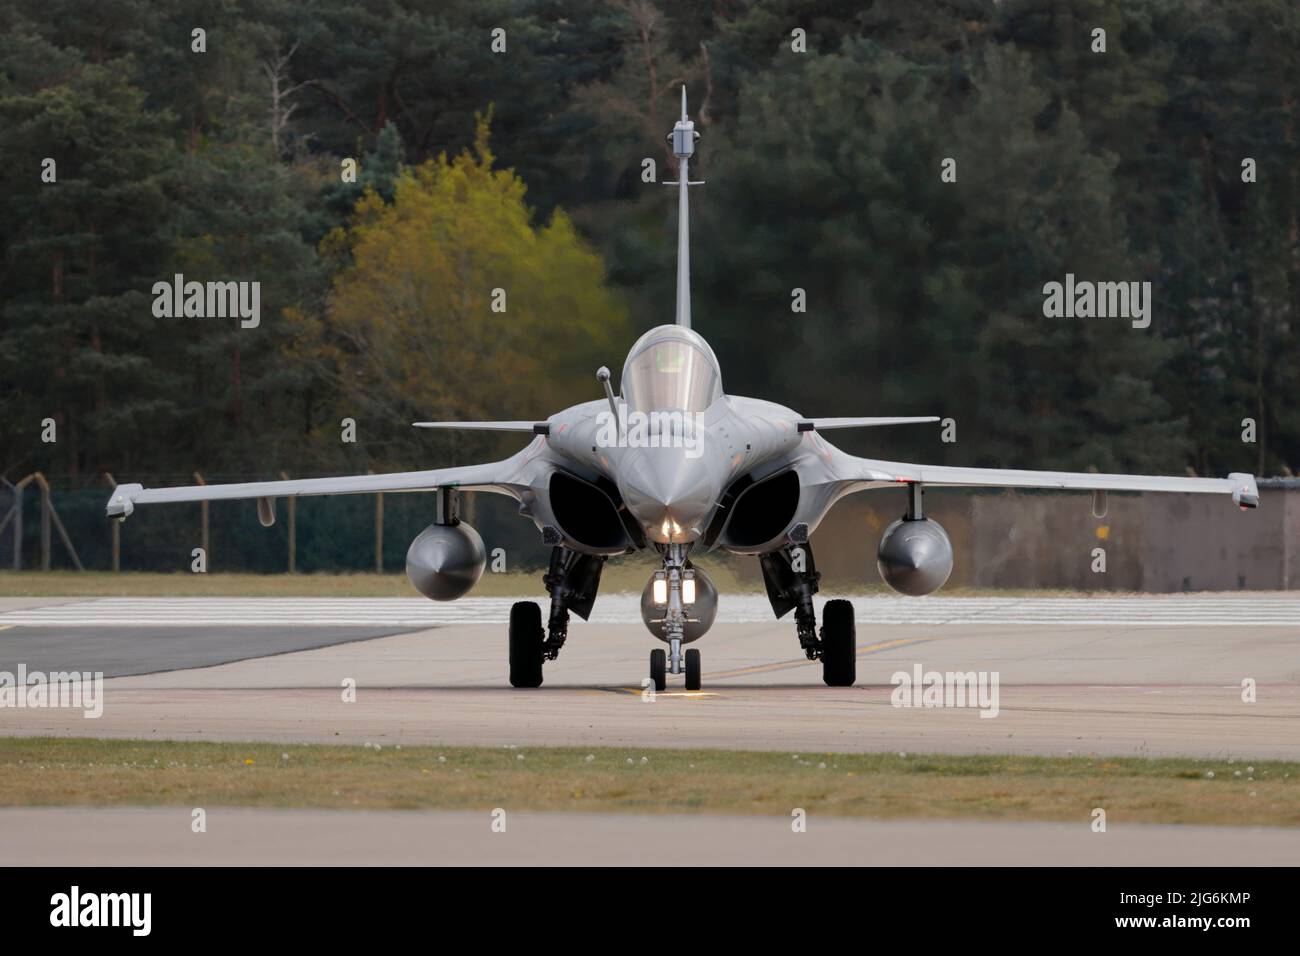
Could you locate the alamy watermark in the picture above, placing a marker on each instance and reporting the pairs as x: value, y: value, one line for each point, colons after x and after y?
x: 58, y: 689
x: 75, y: 908
x: 208, y: 300
x: 1101, y: 300
x: 920, y: 688
x: 658, y: 429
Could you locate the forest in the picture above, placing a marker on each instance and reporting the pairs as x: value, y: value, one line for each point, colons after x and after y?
x: 446, y: 209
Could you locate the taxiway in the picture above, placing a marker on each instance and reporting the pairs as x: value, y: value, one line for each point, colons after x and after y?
x: 1146, y: 676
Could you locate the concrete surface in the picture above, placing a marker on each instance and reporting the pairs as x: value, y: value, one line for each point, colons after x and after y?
x: 1142, y: 688
x: 1238, y: 610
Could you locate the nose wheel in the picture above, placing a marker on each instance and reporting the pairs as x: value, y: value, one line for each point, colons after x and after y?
x: 692, y: 669
x: 659, y: 669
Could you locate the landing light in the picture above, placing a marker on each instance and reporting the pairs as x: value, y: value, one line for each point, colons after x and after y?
x: 670, y: 529
x: 688, y: 587
x: 659, y: 589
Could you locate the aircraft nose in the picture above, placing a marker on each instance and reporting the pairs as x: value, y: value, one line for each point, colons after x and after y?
x: 670, y: 494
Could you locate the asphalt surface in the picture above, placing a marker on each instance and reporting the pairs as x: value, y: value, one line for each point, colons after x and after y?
x: 118, y: 651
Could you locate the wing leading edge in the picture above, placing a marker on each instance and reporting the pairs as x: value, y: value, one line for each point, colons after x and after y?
x: 821, y: 424
x: 537, y: 428
x: 1240, y: 486
x: 499, y: 476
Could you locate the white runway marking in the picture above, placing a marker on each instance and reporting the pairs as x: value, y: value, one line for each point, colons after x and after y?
x: 1245, y: 609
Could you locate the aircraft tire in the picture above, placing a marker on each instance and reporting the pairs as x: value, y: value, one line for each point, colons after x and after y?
x: 839, y: 645
x: 526, y: 638
x: 659, y: 668
x: 692, y: 669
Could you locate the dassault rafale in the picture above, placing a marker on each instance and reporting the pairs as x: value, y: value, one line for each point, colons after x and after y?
x: 673, y: 463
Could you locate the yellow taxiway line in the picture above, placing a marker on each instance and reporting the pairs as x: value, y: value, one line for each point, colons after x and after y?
x: 802, y: 662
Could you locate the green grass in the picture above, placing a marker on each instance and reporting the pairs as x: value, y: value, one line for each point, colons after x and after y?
x: 628, y: 574
x: 95, y: 772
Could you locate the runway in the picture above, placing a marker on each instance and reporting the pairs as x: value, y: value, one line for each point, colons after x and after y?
x: 1124, y: 676
x: 1257, y: 609
x: 244, y: 837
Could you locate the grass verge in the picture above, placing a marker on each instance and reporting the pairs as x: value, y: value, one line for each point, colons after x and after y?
x: 627, y: 574
x: 618, y: 576
x: 96, y: 772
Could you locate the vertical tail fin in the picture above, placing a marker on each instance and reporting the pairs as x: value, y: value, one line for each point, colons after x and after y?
x: 683, y: 138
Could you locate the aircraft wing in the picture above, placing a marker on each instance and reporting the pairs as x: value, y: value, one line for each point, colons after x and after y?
x: 537, y: 428
x: 821, y: 424
x: 1241, y: 487
x: 499, y: 476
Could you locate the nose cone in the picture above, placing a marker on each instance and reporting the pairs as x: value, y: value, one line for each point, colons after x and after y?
x: 669, y: 494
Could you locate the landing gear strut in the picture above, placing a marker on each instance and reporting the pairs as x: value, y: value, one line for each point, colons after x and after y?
x: 572, y: 581
x: 673, y: 581
x: 791, y: 578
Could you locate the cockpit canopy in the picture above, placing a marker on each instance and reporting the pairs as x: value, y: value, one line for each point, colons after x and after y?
x: 670, y: 367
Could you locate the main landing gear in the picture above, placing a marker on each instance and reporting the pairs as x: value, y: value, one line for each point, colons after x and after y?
x: 791, y: 579
x: 572, y: 582
x: 679, y: 596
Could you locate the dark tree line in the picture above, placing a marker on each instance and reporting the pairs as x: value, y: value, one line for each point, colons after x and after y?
x: 823, y: 170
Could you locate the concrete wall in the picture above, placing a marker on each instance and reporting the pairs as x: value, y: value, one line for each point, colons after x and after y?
x: 1156, y: 542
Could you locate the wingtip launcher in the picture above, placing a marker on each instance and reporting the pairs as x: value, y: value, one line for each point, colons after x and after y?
x: 122, y: 502
x: 1245, y: 491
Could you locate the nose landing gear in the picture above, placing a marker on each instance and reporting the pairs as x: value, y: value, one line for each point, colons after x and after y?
x: 673, y: 590
x: 659, y: 668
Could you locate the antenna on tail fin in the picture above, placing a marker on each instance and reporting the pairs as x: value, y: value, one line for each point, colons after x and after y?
x: 683, y: 138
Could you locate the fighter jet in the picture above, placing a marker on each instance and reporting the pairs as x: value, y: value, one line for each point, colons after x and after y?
x: 675, y: 464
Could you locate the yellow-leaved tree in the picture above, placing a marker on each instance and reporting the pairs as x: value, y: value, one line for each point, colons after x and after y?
x: 451, y: 304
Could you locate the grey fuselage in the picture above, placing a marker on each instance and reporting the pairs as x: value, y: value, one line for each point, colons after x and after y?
x: 741, y: 477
